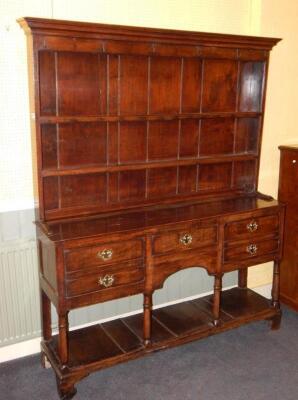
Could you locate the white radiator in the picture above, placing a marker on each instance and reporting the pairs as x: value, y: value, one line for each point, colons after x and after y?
x: 19, y: 292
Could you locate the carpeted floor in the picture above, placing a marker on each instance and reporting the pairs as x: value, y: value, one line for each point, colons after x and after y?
x: 251, y: 362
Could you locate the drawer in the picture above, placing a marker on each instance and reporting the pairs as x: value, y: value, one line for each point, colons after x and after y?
x: 106, y: 279
x: 103, y: 254
x: 184, y: 239
x: 250, y: 249
x: 251, y: 227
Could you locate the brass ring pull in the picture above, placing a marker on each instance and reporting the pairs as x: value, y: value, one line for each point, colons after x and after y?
x: 252, y: 226
x: 252, y: 249
x: 106, y: 281
x: 186, y: 239
x: 105, y: 254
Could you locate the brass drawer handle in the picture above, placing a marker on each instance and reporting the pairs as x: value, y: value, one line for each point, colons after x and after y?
x: 105, y: 254
x: 252, y: 249
x: 106, y: 281
x: 252, y: 226
x: 186, y: 239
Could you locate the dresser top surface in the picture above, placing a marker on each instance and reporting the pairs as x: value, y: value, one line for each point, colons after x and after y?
x: 289, y: 147
x: 151, y: 217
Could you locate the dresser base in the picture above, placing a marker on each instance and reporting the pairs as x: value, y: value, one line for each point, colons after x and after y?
x: 107, y: 344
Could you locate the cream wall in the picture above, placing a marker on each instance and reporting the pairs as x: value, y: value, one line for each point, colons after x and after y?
x: 278, y: 19
x: 252, y: 17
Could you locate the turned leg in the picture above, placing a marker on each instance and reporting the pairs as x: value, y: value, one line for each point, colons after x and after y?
x: 275, y: 324
x: 45, y: 324
x: 276, y: 320
x: 242, y: 278
x: 216, y: 299
x: 66, y: 390
x: 46, y: 316
x: 275, y: 286
x: 147, y: 318
x: 63, y: 337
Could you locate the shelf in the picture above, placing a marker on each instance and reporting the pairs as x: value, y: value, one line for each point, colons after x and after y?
x: 150, y: 117
x: 151, y: 165
x: 103, y: 345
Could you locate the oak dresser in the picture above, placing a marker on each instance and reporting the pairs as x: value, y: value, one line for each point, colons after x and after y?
x: 147, y: 146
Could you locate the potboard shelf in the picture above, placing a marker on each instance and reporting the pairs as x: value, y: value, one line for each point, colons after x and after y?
x: 95, y: 346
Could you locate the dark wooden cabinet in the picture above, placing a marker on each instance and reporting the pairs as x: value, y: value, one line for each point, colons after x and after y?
x: 288, y: 194
x: 148, y: 146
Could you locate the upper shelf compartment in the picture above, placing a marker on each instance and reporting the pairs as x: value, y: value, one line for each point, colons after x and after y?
x: 92, y: 84
x: 130, y: 116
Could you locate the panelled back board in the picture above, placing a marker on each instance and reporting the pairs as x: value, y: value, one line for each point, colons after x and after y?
x: 129, y: 116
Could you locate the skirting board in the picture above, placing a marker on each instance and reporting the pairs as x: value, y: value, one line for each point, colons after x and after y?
x: 32, y: 346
